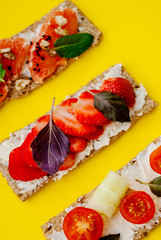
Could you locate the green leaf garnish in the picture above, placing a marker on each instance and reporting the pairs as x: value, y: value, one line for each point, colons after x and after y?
x: 111, y: 237
x: 111, y: 106
x: 155, y: 186
x: 2, y: 73
x: 71, y: 46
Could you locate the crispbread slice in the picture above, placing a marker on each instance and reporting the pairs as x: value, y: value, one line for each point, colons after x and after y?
x: 84, y: 25
x: 53, y: 229
x: 26, y: 189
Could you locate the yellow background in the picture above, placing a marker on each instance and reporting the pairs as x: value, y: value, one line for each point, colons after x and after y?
x: 131, y: 35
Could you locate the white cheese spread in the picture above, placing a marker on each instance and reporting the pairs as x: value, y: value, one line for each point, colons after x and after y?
x: 143, y: 172
x: 114, y: 72
x: 117, y: 224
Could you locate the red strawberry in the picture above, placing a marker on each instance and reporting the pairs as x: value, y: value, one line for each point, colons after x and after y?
x: 18, y: 169
x: 26, y: 146
x: 41, y: 123
x: 68, y: 162
x: 121, y: 87
x: 63, y: 117
x: 85, y: 111
x: 26, y: 150
x: 96, y: 134
x: 77, y: 144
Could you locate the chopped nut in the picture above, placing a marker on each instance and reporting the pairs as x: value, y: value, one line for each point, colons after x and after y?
x: 44, y: 44
x: 21, y: 84
x: 5, y: 50
x: 61, y: 31
x: 7, y: 53
x: 10, y: 56
x: 52, y: 52
x: 60, y: 20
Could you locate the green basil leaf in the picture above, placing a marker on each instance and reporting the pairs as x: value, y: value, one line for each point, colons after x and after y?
x: 111, y: 237
x: 71, y: 46
x: 111, y: 106
x: 155, y: 186
x: 2, y: 73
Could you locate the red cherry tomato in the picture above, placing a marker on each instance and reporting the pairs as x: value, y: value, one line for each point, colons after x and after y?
x: 137, y: 207
x: 155, y: 160
x: 83, y: 224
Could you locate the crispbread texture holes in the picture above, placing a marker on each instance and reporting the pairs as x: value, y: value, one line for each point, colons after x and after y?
x: 84, y: 25
x: 17, y: 139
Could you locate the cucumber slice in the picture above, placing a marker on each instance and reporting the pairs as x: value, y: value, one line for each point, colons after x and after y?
x: 109, y: 193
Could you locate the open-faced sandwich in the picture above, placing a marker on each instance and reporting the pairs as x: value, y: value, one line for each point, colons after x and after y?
x: 82, y: 124
x: 43, y: 50
x: 125, y: 206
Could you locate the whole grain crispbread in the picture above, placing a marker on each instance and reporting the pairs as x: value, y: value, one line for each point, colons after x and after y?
x: 84, y: 25
x: 56, y: 223
x: 23, y: 195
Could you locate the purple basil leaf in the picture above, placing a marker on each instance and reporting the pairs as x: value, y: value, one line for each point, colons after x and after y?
x: 50, y: 147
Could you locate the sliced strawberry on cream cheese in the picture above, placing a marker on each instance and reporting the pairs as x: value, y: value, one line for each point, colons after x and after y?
x: 27, y: 150
x: 68, y: 162
x: 19, y: 170
x: 64, y: 118
x: 77, y: 144
x: 85, y: 111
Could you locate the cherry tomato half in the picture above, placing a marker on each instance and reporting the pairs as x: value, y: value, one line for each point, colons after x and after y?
x: 137, y: 207
x: 83, y: 224
x: 155, y: 160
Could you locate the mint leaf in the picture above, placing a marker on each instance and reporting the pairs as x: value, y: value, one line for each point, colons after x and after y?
x: 111, y: 106
x: 50, y: 147
x: 2, y: 73
x: 71, y: 46
x: 155, y: 186
x: 111, y: 237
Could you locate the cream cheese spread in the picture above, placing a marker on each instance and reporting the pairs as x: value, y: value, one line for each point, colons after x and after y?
x: 111, y: 130
x: 142, y: 171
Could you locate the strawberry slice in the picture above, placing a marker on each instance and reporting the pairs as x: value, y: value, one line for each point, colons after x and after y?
x: 85, y: 111
x: 26, y: 150
x: 41, y: 123
x: 121, y: 87
x: 96, y: 134
x: 18, y: 169
x: 64, y: 118
x: 68, y: 162
x: 77, y: 144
